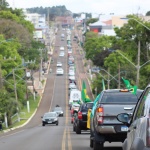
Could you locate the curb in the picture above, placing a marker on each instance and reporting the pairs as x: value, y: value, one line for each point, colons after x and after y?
x: 11, y: 129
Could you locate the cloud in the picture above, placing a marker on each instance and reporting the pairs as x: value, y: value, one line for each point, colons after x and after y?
x: 93, y: 6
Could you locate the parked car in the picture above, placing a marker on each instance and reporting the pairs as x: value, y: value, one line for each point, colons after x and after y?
x: 104, y: 124
x: 80, y: 121
x: 59, y: 111
x: 59, y: 71
x: 138, y: 135
x: 50, y: 118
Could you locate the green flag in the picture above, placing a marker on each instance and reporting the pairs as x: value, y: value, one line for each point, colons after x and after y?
x: 133, y: 89
x: 83, y: 85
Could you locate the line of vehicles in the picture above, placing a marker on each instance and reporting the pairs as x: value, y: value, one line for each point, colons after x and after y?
x: 116, y: 115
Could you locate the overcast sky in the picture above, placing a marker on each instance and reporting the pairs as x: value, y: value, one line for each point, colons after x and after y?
x: 118, y: 7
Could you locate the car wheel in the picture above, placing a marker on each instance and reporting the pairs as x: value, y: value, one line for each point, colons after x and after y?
x: 97, y: 146
x: 74, y: 128
x: 43, y: 124
x: 57, y: 123
x: 91, y: 143
x: 78, y: 130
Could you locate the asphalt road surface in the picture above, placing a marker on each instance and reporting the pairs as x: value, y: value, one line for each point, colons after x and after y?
x: 34, y: 136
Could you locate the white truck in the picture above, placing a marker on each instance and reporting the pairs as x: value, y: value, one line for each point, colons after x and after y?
x: 75, y: 97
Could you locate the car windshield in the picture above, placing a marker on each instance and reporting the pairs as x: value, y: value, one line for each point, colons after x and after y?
x: 50, y: 115
x: 87, y: 106
x: 57, y: 108
x: 119, y: 97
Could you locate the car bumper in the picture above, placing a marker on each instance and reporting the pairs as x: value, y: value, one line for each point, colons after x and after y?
x: 83, y: 125
x: 50, y: 122
x: 111, y: 129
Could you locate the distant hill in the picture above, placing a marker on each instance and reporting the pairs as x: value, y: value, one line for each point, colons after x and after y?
x: 53, y: 11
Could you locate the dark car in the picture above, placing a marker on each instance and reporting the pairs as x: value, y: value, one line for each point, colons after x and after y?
x: 138, y: 135
x: 80, y: 121
x: 50, y: 118
x: 104, y: 125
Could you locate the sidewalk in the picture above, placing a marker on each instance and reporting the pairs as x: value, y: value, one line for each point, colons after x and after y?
x: 39, y: 80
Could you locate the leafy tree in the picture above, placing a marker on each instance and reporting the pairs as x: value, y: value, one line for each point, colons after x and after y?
x: 92, y: 20
x: 3, y: 4
x: 19, y: 19
x: 148, y: 13
x: 128, y: 41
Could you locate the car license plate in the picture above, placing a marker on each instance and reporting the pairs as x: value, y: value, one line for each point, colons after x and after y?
x: 50, y: 122
x: 124, y: 128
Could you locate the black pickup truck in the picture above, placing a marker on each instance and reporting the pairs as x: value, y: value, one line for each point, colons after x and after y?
x: 104, y: 124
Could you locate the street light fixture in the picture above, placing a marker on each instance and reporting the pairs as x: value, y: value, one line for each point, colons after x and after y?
x: 113, y: 77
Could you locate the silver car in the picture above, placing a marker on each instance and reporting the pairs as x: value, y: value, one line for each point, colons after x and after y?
x: 59, y: 111
x: 138, y: 135
x: 50, y: 118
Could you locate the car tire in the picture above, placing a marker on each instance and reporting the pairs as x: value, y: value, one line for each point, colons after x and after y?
x: 43, y: 124
x: 97, y: 146
x: 78, y: 130
x: 91, y: 143
x: 57, y: 123
x: 74, y: 128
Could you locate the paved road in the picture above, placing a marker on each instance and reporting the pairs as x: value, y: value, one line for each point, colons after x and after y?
x: 34, y: 136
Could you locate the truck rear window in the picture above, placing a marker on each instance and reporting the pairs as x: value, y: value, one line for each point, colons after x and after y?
x: 119, y: 97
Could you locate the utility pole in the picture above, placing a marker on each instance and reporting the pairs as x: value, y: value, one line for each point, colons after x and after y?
x: 138, y: 63
x: 108, y: 78
x: 40, y: 69
x: 1, y: 82
x: 119, y: 76
x: 15, y: 88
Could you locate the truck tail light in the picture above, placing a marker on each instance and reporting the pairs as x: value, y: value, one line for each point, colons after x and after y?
x: 80, y: 115
x: 99, y: 114
x: 148, y: 133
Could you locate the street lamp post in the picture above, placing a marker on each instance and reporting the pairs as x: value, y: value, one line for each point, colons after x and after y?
x: 138, y: 67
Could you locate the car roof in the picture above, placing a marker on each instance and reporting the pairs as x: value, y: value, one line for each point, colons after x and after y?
x: 118, y: 90
x: 51, y: 112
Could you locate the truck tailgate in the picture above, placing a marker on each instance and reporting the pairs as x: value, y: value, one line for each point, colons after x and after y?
x: 112, y: 110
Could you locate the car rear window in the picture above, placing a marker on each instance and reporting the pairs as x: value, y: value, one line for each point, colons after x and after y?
x: 87, y: 106
x: 119, y: 97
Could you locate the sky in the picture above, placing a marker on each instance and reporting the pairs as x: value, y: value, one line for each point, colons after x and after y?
x: 117, y: 7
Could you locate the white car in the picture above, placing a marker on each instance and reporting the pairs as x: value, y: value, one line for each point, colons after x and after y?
x: 62, y: 54
x: 72, y: 78
x: 71, y: 68
x: 69, y: 51
x: 71, y: 73
x: 62, y: 48
x: 72, y: 86
x: 59, y: 64
x: 59, y: 71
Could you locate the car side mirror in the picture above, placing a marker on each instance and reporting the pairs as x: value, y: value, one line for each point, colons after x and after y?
x: 124, y: 118
x: 41, y: 116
